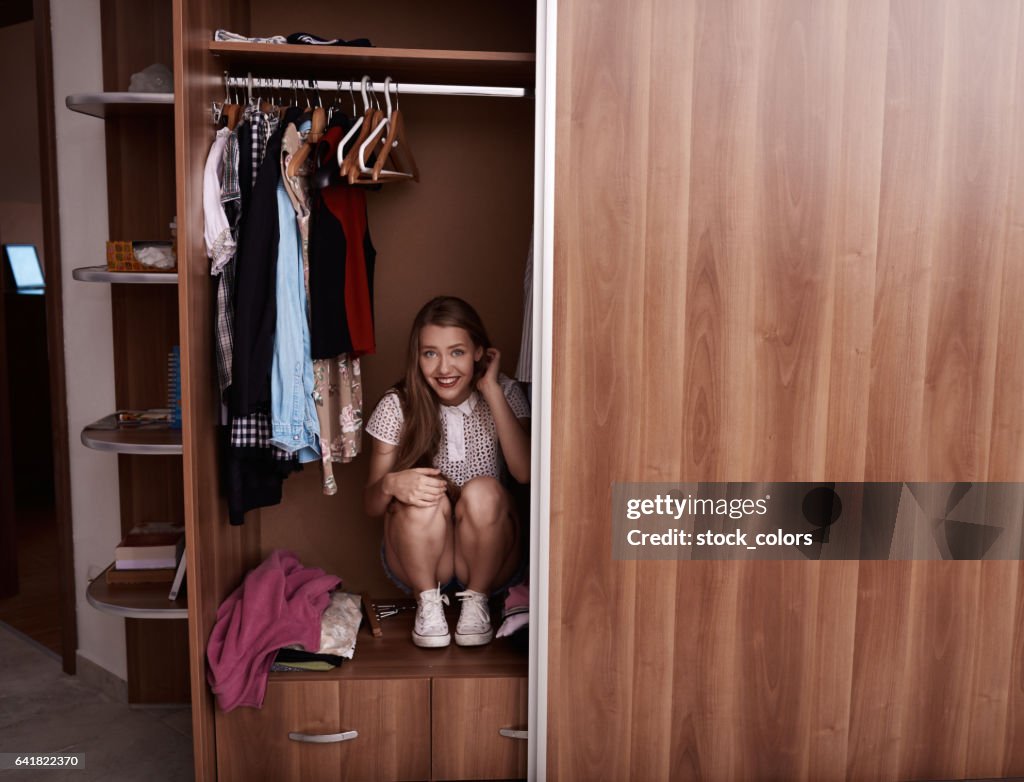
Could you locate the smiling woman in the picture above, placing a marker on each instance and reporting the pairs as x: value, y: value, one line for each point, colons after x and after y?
x: 447, y: 438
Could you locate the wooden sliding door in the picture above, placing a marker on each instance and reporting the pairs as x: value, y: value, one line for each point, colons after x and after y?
x: 788, y: 247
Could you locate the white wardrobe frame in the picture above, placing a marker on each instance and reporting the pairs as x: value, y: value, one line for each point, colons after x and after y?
x: 540, y: 465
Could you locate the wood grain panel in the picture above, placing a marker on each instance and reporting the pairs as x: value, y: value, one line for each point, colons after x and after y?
x: 218, y: 555
x: 907, y: 234
x: 391, y: 718
x: 833, y: 298
x: 617, y: 79
x: 55, y: 335
x: 978, y: 81
x: 466, y: 717
x: 158, y: 667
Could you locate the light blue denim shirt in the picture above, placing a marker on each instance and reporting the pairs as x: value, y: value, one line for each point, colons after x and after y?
x: 294, y: 423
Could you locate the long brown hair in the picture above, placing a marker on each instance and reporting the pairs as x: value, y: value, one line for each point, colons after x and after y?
x: 421, y: 428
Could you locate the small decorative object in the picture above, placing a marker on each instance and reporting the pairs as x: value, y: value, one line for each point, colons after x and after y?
x: 152, y: 78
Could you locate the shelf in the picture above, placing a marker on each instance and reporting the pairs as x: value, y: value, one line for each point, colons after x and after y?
x: 101, y: 274
x: 121, y: 104
x: 394, y: 656
x: 434, y: 66
x: 134, y: 601
x: 147, y: 439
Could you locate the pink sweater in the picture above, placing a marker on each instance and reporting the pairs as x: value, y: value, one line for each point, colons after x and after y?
x: 280, y: 602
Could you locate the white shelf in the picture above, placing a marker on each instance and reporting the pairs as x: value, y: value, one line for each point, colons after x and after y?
x: 146, y: 439
x: 102, y: 274
x: 135, y: 601
x: 119, y: 104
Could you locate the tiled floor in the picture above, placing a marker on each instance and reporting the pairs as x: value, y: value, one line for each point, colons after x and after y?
x: 42, y: 710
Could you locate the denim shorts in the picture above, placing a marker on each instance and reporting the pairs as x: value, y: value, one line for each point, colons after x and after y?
x: 518, y: 577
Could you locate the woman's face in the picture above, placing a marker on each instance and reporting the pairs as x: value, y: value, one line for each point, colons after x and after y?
x: 447, y: 357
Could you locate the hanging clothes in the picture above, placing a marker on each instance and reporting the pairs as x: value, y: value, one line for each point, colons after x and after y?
x: 341, y: 265
x: 337, y: 384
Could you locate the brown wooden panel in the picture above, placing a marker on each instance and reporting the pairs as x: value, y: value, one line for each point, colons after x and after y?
x: 136, y: 35
x: 466, y: 717
x: 55, y: 335
x: 391, y: 718
x: 830, y: 302
x: 158, y: 670
x: 254, y: 743
x: 218, y: 555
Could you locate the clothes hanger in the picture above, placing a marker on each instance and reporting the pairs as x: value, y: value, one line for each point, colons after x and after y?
x: 380, y: 122
x: 232, y: 110
x: 349, y: 160
x: 316, y: 132
x: 396, y: 146
x: 364, y: 173
x: 357, y: 124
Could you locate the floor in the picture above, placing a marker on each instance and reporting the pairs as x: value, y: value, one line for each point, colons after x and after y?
x: 42, y: 710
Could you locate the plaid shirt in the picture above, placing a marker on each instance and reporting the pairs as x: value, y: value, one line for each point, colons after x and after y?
x: 250, y: 431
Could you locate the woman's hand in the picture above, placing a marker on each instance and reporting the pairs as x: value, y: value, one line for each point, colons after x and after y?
x: 488, y: 384
x: 419, y: 486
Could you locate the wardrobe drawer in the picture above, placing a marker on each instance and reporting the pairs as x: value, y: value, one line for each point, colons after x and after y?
x: 304, y: 731
x: 467, y: 715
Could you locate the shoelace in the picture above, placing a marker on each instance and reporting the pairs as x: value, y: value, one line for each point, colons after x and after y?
x: 432, y: 613
x: 474, y: 608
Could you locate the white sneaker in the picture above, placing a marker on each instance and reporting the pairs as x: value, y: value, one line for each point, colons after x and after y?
x: 431, y: 628
x: 474, y: 627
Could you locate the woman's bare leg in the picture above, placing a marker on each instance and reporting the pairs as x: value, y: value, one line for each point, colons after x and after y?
x: 487, y: 545
x: 419, y: 544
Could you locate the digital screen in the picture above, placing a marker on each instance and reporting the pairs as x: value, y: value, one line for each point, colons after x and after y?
x: 25, y: 266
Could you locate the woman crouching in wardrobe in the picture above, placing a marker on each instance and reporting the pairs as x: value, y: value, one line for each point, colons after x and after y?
x: 446, y: 439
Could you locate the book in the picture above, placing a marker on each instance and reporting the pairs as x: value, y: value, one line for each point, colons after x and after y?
x: 150, y: 546
x: 179, y: 578
x: 116, y: 577
x: 153, y: 563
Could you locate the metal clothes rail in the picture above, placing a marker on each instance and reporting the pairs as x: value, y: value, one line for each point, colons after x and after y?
x: 250, y: 83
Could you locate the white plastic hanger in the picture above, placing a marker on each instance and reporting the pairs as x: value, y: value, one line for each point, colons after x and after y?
x: 375, y: 136
x: 358, y: 123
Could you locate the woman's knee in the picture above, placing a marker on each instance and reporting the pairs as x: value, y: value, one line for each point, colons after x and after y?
x: 413, y: 518
x: 483, y: 500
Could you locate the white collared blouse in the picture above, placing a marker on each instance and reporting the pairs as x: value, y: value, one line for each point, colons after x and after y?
x: 469, y: 441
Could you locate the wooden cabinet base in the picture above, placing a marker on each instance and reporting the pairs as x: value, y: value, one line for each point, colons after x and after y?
x: 366, y: 729
x: 466, y: 717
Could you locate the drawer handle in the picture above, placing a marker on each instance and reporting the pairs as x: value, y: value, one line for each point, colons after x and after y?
x: 510, y: 733
x: 324, y: 738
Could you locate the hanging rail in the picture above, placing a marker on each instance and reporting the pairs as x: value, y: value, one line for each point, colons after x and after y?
x: 250, y: 83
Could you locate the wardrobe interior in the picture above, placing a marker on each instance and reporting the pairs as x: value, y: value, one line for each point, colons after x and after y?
x: 464, y: 229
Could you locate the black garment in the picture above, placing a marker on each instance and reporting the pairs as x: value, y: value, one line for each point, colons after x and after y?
x: 252, y: 477
x: 341, y: 265
x: 285, y: 655
x: 316, y: 40
x: 255, y: 286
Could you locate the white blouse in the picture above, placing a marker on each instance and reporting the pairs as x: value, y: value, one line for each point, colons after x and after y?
x: 469, y: 440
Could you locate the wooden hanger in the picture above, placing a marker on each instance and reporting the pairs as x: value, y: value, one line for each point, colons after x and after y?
x: 396, y: 147
x: 363, y: 174
x: 316, y: 132
x: 350, y: 166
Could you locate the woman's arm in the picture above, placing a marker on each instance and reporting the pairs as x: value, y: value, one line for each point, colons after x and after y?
x: 418, y: 486
x: 513, y: 433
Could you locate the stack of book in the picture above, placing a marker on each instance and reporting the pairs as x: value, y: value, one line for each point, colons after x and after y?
x: 148, y: 554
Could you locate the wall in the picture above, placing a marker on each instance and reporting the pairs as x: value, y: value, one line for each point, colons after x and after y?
x: 81, y: 166
x: 787, y: 243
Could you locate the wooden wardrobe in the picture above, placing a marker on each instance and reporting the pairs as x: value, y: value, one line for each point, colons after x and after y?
x: 464, y: 229
x: 794, y: 255
x: 786, y: 247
